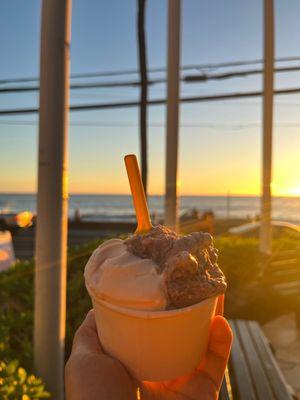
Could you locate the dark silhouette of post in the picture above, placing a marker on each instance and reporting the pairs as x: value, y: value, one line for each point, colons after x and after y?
x: 266, y: 198
x: 171, y: 217
x: 228, y: 205
x: 143, y: 89
x: 52, y: 199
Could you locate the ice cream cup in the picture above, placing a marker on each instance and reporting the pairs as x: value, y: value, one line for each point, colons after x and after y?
x: 155, y: 345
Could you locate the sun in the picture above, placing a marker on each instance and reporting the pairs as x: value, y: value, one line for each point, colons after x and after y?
x: 293, y: 191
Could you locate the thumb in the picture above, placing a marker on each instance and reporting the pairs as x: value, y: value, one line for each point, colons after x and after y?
x: 86, y: 338
x: 218, y: 350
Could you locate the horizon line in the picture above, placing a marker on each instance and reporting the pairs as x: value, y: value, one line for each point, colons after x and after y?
x: 155, y: 194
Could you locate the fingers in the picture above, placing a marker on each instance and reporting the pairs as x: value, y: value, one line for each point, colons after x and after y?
x: 218, y: 350
x: 220, y: 305
x: 86, y: 338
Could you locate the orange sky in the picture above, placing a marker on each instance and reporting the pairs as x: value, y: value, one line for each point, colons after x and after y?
x: 220, y: 142
x: 229, y: 167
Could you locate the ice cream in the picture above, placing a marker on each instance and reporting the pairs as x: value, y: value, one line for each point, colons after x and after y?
x: 156, y: 271
x: 115, y: 275
x: 154, y: 294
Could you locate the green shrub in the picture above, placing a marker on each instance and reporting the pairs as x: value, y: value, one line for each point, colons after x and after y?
x: 16, y: 320
x: 16, y: 316
x: 16, y: 384
x: 241, y: 262
x: 239, y: 259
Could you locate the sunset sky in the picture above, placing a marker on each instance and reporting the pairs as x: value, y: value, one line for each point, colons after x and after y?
x: 220, y: 142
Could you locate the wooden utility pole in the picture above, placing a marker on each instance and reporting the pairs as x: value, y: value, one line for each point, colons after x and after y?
x: 143, y: 89
x: 171, y: 217
x: 52, y: 199
x: 228, y: 205
x: 266, y: 198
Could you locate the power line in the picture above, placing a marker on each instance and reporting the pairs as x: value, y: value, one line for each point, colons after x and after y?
x: 92, y: 85
x: 155, y: 102
x: 122, y: 124
x: 156, y: 69
x: 235, y: 74
x: 186, y: 79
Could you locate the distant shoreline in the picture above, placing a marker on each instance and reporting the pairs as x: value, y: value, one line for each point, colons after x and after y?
x: 154, y: 195
x: 111, y: 207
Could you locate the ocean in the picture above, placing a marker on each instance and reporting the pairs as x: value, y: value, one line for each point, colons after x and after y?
x: 119, y: 207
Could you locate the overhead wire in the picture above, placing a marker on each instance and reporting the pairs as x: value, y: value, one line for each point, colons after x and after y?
x: 186, y: 79
x: 155, y: 102
x: 97, y: 124
x: 155, y: 69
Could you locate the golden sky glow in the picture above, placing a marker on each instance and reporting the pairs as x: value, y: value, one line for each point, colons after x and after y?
x: 219, y: 142
x: 215, y: 171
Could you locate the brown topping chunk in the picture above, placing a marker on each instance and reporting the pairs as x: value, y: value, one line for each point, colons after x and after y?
x: 188, y: 263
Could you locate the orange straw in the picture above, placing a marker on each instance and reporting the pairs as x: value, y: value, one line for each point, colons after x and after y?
x: 138, y: 194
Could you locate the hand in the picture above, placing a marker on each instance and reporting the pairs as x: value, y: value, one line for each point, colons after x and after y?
x: 90, y: 374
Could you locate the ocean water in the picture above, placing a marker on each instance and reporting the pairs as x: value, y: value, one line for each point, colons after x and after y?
x: 119, y: 207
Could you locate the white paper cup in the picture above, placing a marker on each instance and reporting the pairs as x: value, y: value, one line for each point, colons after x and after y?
x: 155, y: 345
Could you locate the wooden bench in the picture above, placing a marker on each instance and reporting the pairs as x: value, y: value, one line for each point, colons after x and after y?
x: 253, y: 371
x: 281, y: 271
